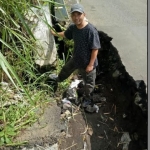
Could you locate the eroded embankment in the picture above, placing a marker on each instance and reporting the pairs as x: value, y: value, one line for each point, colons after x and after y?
x: 133, y: 104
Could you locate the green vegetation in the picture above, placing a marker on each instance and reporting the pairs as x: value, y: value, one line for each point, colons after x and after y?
x: 17, y: 47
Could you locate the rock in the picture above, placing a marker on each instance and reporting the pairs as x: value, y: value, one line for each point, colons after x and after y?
x: 116, y: 74
x: 45, y: 43
x: 125, y: 139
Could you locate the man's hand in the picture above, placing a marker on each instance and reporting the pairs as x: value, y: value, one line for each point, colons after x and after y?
x: 58, y: 34
x: 92, y: 60
x: 89, y: 68
x: 53, y: 32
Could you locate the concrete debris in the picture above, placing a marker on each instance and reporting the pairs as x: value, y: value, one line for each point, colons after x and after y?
x: 125, y: 140
x: 140, y: 101
x: 116, y: 74
x: 45, y: 44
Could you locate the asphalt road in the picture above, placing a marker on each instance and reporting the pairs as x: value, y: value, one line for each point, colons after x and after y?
x: 126, y: 22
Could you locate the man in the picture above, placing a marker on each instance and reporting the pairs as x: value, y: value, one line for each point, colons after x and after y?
x: 86, y: 45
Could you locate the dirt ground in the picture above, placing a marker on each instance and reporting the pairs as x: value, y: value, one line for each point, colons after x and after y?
x: 88, y: 131
x: 106, y: 127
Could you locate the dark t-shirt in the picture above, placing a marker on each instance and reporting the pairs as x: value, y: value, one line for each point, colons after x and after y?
x: 85, y: 40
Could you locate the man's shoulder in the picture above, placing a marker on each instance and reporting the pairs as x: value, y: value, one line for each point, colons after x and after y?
x: 92, y: 27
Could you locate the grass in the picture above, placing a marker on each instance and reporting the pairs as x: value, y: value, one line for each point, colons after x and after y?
x: 26, y: 92
x: 16, y: 116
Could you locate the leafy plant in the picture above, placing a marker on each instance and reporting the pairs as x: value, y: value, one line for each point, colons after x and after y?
x: 17, y: 67
x: 17, y: 45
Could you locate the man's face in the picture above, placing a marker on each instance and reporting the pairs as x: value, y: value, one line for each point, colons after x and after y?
x: 77, y: 17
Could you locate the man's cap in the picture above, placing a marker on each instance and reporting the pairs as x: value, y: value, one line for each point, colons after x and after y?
x: 77, y: 7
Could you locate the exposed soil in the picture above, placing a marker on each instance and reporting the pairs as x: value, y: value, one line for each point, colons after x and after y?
x: 105, y: 128
x: 108, y: 125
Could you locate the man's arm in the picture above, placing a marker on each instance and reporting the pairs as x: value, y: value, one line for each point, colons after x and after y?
x: 61, y: 34
x: 92, y: 60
